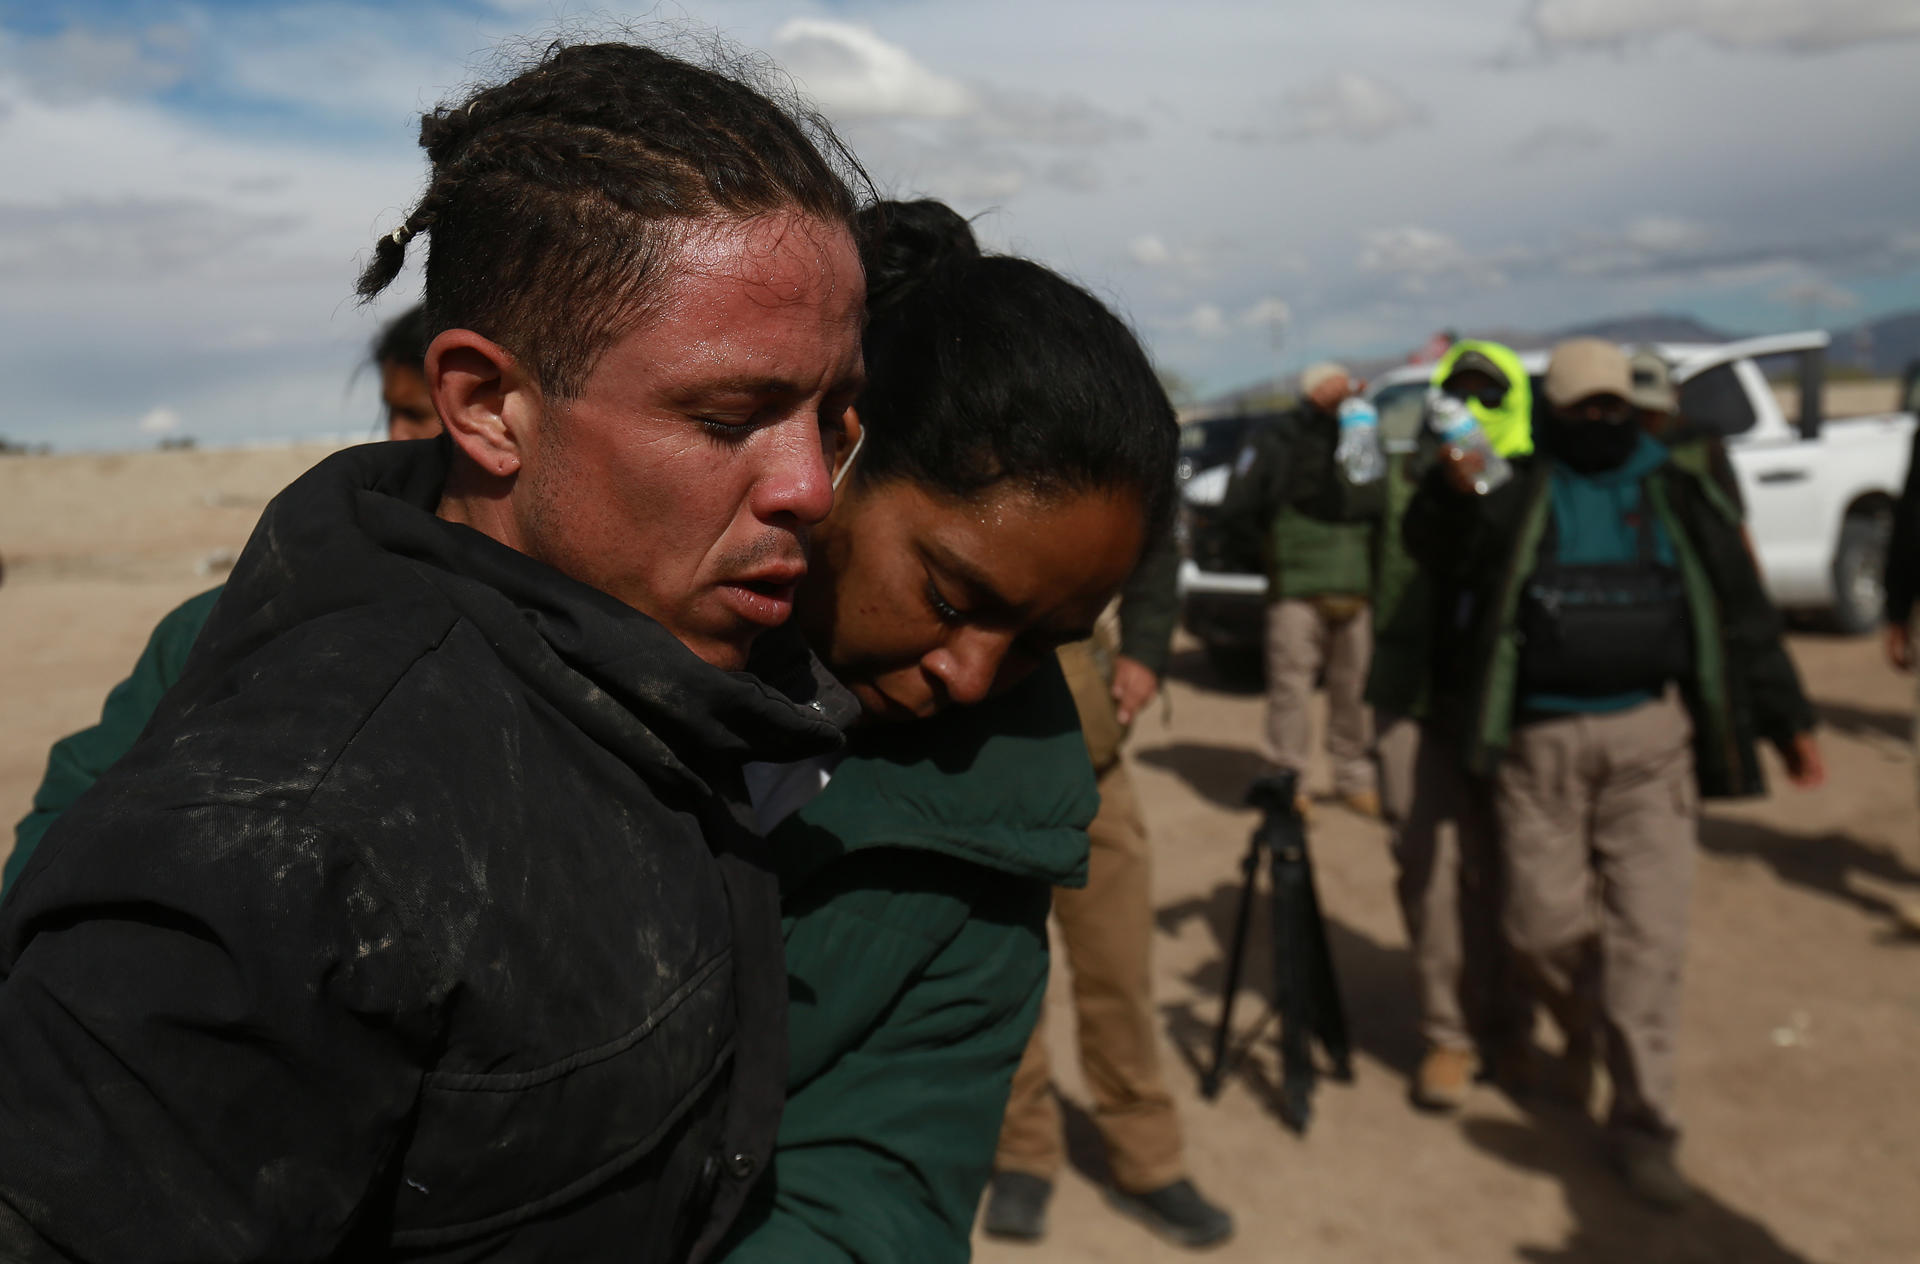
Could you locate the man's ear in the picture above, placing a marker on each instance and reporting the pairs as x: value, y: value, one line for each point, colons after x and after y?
x: 489, y: 404
x: 851, y: 435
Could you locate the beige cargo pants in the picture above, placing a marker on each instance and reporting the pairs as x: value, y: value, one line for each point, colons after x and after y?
x: 1106, y: 928
x: 1305, y: 636
x: 1450, y: 887
x: 1598, y: 817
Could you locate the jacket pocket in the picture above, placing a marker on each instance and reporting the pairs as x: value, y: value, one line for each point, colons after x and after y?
x: 492, y: 1150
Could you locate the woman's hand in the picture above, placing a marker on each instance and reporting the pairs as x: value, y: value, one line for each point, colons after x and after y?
x: 1134, y: 686
x: 1463, y: 469
x: 1899, y: 646
x: 1805, y: 768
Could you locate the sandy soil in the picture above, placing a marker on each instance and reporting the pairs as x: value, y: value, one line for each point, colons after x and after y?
x: 1797, y: 1060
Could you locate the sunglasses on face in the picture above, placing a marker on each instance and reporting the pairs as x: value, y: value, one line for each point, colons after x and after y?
x: 1486, y: 396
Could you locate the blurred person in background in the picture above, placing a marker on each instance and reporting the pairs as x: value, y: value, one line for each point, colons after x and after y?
x: 1016, y: 454
x: 1620, y: 660
x: 424, y: 920
x: 1902, y: 580
x: 1691, y: 447
x: 1473, y: 1011
x: 398, y: 354
x: 1107, y: 929
x: 1290, y: 505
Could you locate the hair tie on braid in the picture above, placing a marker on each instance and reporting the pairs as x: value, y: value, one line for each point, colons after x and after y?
x: 400, y: 235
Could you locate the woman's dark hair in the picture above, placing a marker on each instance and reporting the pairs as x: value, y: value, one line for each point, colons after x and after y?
x: 555, y: 196
x: 403, y: 340
x: 984, y: 369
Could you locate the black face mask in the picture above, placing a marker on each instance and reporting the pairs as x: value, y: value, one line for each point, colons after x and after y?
x: 1591, y: 447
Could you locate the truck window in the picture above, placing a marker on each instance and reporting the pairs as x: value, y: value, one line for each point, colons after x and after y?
x: 1716, y: 402
x: 1401, y: 407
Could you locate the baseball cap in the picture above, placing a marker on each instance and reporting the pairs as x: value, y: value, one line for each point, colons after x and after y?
x: 1313, y: 375
x: 1478, y: 362
x: 1652, y: 382
x: 1581, y: 368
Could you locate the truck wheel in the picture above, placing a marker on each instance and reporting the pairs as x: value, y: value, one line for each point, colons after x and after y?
x: 1859, y: 570
x: 1237, y: 666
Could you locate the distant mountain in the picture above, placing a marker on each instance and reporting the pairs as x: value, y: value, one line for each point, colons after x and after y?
x: 1651, y: 327
x: 1883, y: 346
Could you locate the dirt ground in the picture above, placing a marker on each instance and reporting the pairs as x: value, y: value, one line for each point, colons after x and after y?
x: 1797, y: 1059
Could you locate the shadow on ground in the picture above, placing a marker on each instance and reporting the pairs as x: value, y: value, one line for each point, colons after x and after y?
x: 1866, y: 722
x: 1823, y: 863
x: 1217, y: 772
x: 1609, y: 1226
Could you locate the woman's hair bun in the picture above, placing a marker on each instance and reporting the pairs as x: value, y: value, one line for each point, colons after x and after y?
x: 903, y: 243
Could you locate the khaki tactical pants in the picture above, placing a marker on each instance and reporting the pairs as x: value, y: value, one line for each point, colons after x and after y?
x: 1598, y: 820
x: 1450, y: 888
x: 1107, y: 930
x: 1303, y: 636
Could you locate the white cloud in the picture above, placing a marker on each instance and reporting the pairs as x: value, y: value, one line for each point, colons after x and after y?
x: 1665, y: 234
x: 1268, y: 311
x: 1149, y: 251
x: 1788, y: 25
x: 1348, y: 106
x: 77, y: 64
x: 1558, y: 140
x: 1413, y: 251
x: 852, y: 73
x: 160, y: 421
x: 1813, y: 292
x: 1204, y: 321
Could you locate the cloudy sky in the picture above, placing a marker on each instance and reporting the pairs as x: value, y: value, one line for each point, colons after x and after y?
x: 190, y: 184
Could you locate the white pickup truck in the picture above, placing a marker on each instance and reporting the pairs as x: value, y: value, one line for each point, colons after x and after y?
x: 1819, y: 491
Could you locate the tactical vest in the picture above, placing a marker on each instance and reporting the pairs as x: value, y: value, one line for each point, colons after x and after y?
x: 1313, y: 557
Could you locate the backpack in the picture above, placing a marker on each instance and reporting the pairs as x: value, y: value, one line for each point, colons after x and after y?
x: 1598, y: 629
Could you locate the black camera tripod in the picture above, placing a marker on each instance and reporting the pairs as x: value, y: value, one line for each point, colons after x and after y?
x: 1305, y: 994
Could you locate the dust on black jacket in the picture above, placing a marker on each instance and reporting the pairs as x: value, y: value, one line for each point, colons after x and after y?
x: 420, y: 923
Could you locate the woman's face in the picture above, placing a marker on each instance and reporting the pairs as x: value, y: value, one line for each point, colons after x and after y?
x: 917, y: 601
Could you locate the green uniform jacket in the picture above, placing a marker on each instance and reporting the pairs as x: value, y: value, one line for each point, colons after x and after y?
x: 1288, y: 504
x: 1481, y: 549
x: 915, y: 891
x: 76, y: 762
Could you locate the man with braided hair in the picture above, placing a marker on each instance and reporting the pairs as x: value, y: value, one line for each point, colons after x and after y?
x: 422, y: 919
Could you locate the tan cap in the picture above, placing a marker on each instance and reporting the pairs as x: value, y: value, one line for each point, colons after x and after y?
x: 1652, y: 382
x: 1581, y: 368
x: 1315, y: 375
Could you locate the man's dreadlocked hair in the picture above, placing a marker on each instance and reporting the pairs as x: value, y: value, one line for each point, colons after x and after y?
x: 555, y: 196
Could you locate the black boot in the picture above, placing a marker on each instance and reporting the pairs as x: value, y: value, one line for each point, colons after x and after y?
x: 1178, y: 1213
x: 1017, y: 1206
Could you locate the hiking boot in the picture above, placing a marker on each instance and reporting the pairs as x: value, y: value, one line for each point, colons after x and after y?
x: 1647, y: 1166
x: 1177, y: 1213
x: 1362, y: 803
x: 1017, y: 1206
x: 1445, y: 1078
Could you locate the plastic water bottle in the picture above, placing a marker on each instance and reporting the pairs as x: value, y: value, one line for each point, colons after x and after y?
x: 1359, y: 451
x: 1451, y: 420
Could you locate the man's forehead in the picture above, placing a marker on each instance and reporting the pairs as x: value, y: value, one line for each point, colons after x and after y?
x: 782, y: 256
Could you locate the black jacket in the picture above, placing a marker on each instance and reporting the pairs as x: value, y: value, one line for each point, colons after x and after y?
x: 1289, y: 464
x: 1903, y: 546
x: 420, y: 923
x: 1480, y: 551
